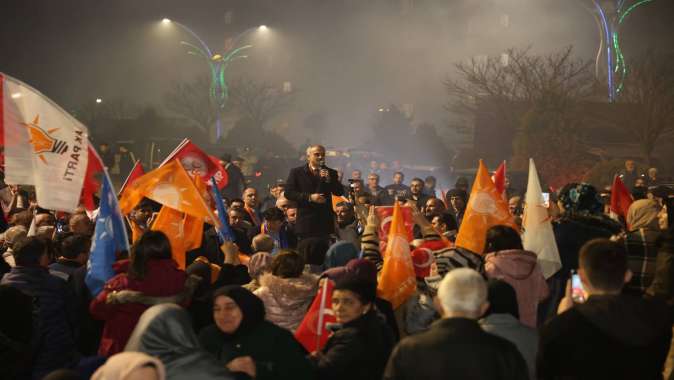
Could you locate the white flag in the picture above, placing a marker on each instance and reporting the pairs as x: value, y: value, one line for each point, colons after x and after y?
x: 43, y: 145
x: 538, y: 236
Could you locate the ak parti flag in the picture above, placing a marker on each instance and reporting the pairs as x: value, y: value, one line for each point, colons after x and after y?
x: 499, y: 178
x: 312, y: 332
x: 43, y: 145
x: 135, y: 173
x: 183, y: 231
x: 538, y: 235
x: 486, y: 208
x: 171, y: 186
x: 194, y: 159
x: 621, y: 198
x: 397, y: 281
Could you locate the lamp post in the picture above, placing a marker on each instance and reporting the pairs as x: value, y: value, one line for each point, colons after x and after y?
x: 609, y: 16
x: 217, y: 63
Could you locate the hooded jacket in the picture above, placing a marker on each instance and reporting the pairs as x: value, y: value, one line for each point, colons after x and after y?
x: 608, y: 337
x: 165, y: 332
x: 286, y: 300
x: 521, y: 270
x: 163, y: 278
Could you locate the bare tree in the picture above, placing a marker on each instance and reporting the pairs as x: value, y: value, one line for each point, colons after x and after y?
x: 192, y: 102
x: 259, y: 102
x: 645, y: 107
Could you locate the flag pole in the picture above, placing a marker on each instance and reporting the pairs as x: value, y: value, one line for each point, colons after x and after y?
x: 321, y: 312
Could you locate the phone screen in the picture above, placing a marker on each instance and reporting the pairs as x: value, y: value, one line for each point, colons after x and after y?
x: 546, y: 199
x: 577, y: 292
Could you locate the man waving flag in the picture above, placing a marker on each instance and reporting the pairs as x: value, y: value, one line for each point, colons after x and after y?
x: 43, y: 145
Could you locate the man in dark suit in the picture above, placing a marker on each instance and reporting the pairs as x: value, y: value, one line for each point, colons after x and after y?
x: 312, y: 186
x: 235, y: 179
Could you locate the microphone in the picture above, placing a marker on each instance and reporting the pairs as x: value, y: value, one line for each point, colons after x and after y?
x: 324, y: 167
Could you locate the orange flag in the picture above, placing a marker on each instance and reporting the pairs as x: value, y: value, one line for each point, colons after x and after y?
x: 171, y: 186
x: 397, y: 281
x: 183, y: 231
x: 337, y: 199
x: 486, y: 208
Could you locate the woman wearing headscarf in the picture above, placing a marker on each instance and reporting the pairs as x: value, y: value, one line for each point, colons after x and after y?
x: 151, y: 272
x: 362, y: 343
x: 582, y: 219
x: 286, y: 291
x: 165, y: 332
x: 641, y: 243
x: 240, y: 331
x: 507, y: 260
x: 131, y: 366
x: 258, y: 264
x: 339, y: 254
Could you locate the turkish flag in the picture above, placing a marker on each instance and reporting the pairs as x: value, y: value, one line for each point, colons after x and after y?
x: 193, y: 159
x: 621, y: 198
x: 91, y: 185
x: 312, y: 332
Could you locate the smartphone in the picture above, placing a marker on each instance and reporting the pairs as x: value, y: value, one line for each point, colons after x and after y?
x: 546, y: 199
x: 577, y: 291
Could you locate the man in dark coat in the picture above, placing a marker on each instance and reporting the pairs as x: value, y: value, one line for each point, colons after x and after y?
x: 235, y: 178
x: 456, y: 346
x: 53, y: 341
x: 312, y: 186
x: 611, y: 335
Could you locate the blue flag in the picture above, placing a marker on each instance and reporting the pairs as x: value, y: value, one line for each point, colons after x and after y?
x: 225, y: 232
x: 109, y: 237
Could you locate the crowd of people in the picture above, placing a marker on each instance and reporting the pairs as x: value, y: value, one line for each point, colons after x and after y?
x: 233, y: 312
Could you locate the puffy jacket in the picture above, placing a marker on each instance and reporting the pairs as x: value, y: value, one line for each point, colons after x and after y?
x: 521, y: 270
x: 286, y: 300
x: 53, y: 341
x: 163, y: 278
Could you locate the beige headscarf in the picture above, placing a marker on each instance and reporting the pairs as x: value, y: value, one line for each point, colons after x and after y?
x: 643, y: 213
x: 120, y: 366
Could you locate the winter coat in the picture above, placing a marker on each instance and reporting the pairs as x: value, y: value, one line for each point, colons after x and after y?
x: 276, y: 353
x: 357, y: 351
x: 642, y: 251
x: 456, y: 348
x: 162, y: 278
x: 521, y: 270
x: 53, y: 340
x: 165, y: 332
x: 607, y: 337
x: 508, y: 327
x: 313, y: 219
x: 286, y: 300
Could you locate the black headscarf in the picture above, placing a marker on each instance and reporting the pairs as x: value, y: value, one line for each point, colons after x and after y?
x: 252, y: 308
x: 502, y: 298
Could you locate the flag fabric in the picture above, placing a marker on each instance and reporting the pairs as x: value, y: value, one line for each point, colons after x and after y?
x: 135, y: 173
x: 385, y: 215
x: 91, y: 184
x: 225, y: 232
x: 336, y: 199
x: 171, y: 186
x: 397, y: 280
x: 193, y: 158
x: 312, y: 332
x: 538, y: 236
x: 184, y: 231
x: 621, y: 199
x: 109, y: 238
x: 43, y: 145
x: 499, y: 178
x: 486, y: 208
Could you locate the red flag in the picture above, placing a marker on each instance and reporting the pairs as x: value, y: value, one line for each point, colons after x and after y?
x: 91, y: 185
x: 193, y: 159
x: 621, y: 198
x: 312, y: 333
x: 385, y: 214
x: 499, y: 178
x: 136, y: 173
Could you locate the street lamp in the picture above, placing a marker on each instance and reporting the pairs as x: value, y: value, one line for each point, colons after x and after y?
x: 217, y: 63
x: 99, y: 100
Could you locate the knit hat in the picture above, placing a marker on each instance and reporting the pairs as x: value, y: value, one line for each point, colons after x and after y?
x: 339, y: 254
x: 360, y: 268
x: 366, y: 290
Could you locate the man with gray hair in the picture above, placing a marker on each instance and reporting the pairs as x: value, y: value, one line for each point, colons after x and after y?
x: 456, y: 346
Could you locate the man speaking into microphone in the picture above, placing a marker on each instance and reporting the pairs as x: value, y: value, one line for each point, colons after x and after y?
x: 312, y: 186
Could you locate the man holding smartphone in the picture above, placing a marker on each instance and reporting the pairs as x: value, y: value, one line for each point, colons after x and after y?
x: 610, y: 335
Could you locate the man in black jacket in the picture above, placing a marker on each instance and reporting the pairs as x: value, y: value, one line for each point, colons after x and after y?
x: 609, y: 336
x: 312, y: 186
x: 455, y: 346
